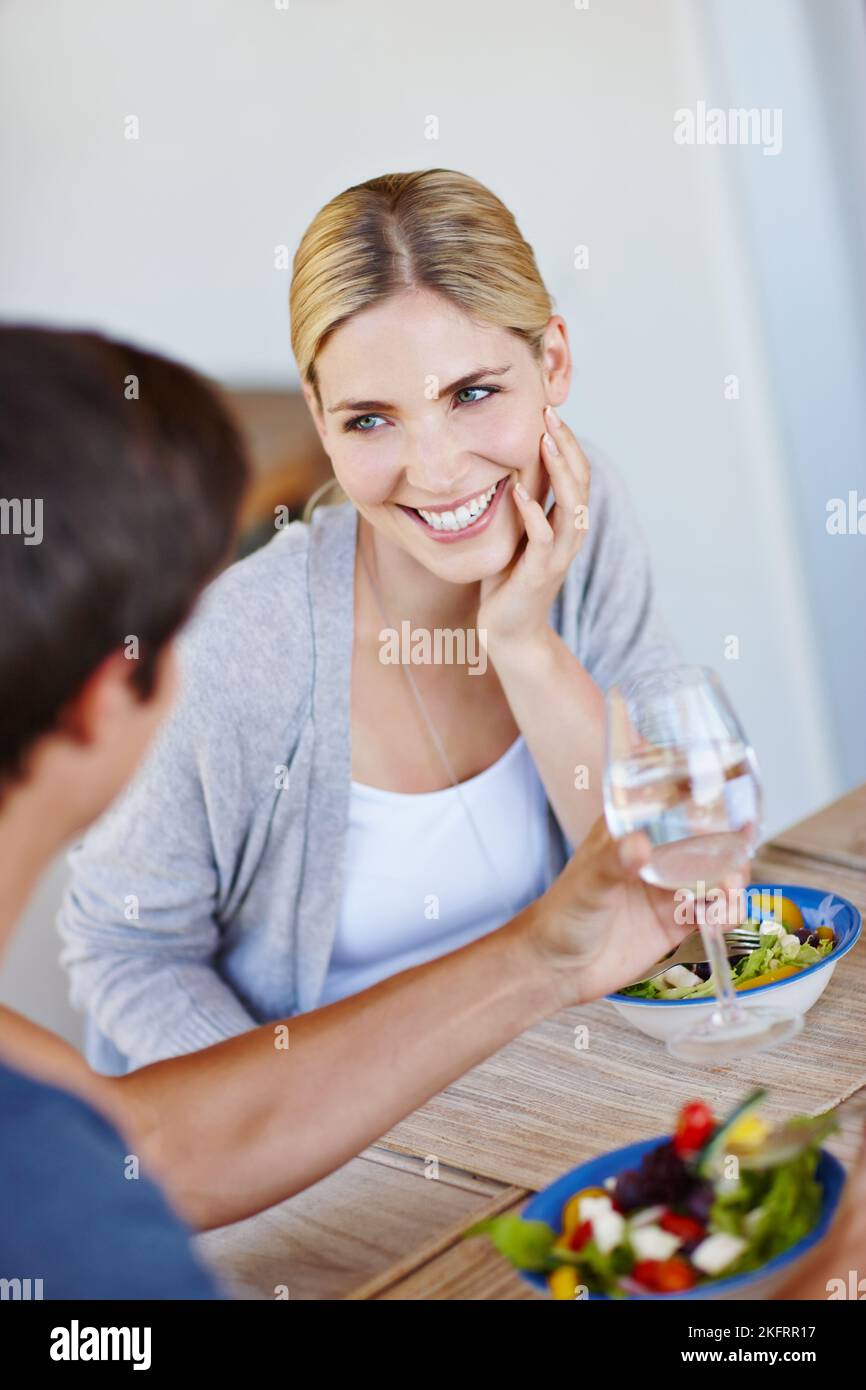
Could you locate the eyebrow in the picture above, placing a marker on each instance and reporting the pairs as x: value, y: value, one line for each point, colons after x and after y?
x: 459, y: 385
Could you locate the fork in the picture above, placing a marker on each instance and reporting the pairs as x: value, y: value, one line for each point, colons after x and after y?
x: 692, y: 951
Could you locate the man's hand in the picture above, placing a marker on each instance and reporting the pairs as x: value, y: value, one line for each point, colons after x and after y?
x: 599, y: 925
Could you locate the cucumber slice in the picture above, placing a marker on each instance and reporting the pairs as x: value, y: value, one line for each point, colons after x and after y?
x: 715, y: 1148
x: 788, y: 1140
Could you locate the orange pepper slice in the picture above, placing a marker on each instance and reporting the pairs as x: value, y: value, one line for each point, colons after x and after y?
x: 769, y: 977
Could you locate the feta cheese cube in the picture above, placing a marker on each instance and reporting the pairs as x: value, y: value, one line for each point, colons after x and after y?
x: 680, y: 977
x: 608, y: 1230
x: 652, y: 1243
x: 717, y: 1252
x: 591, y: 1207
x: 771, y: 928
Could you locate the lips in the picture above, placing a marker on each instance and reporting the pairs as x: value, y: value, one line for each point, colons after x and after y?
x: 459, y: 520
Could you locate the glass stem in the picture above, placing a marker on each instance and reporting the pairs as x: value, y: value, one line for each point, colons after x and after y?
x: 713, y: 938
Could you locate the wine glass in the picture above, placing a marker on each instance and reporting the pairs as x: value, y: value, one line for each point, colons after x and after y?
x: 679, y: 767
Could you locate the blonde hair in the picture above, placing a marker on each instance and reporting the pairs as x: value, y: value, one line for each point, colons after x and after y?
x: 433, y: 228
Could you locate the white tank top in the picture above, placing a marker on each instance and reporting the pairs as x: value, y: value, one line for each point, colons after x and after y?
x: 417, y: 884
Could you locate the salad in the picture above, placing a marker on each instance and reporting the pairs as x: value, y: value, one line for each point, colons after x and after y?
x: 682, y: 1218
x: 791, y: 940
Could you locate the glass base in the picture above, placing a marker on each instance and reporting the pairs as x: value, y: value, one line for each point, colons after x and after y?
x: 720, y: 1039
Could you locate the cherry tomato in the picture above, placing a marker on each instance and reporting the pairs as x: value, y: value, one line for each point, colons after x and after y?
x: 695, y: 1126
x: 664, y: 1276
x: 645, y: 1272
x: 580, y: 1235
x: 686, y: 1227
x: 674, y: 1274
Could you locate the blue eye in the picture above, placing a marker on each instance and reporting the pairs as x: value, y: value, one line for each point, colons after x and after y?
x: 467, y: 395
x: 362, y: 423
x: 467, y: 391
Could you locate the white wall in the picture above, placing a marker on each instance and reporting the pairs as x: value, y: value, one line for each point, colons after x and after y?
x: 251, y: 117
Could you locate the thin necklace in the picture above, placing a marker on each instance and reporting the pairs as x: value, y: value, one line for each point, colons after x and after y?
x: 495, y: 873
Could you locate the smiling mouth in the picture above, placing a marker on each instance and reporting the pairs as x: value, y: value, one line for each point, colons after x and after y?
x: 466, y: 517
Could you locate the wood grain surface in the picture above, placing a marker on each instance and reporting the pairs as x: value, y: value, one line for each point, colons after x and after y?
x: 382, y: 1229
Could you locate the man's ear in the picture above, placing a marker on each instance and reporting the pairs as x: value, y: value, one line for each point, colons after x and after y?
x: 556, y: 361
x: 106, y: 692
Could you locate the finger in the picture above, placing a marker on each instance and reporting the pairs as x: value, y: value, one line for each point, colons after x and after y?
x: 634, y: 852
x: 570, y: 449
x: 577, y: 463
x: 613, y: 861
x: 733, y: 886
x: 539, y: 532
x: 566, y: 493
x: 571, y: 493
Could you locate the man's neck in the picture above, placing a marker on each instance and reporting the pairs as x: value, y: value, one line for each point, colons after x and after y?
x: 31, y: 834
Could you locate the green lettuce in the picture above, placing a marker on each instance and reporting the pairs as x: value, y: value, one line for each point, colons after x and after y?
x: 771, y: 1209
x: 757, y: 962
x: 527, y: 1244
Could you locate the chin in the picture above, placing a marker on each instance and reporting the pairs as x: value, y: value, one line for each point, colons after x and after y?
x: 479, y: 559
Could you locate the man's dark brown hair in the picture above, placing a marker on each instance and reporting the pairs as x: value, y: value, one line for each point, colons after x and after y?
x: 138, y: 472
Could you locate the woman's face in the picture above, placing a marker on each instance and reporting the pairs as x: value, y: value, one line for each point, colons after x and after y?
x: 429, y: 418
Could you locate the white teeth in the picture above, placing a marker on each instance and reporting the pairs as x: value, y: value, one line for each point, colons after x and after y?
x: 465, y: 514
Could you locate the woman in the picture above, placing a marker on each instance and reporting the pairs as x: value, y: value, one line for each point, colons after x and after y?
x: 316, y: 817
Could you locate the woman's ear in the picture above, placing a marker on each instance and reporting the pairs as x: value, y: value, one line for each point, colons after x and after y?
x: 556, y: 361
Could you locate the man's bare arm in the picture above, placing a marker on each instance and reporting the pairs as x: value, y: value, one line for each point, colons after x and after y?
x: 246, y: 1123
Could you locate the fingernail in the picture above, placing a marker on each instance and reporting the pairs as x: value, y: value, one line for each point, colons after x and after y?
x: 552, y: 417
x: 549, y: 443
x: 521, y: 492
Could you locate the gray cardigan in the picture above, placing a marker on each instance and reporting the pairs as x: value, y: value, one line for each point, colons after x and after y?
x: 207, y: 898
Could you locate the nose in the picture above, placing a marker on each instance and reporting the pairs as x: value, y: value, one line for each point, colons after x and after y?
x: 433, y: 464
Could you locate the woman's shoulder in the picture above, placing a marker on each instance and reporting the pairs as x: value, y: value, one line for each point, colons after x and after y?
x: 606, y: 610
x: 267, y: 600
x: 609, y: 517
x: 285, y: 565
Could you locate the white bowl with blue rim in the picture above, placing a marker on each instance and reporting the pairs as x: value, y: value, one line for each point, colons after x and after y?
x: 795, y: 995
x: 763, y: 1282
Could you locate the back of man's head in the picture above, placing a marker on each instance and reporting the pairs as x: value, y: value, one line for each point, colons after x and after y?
x: 120, y: 477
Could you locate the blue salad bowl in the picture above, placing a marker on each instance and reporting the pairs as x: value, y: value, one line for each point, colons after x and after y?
x: 794, y: 995
x: 758, y: 1283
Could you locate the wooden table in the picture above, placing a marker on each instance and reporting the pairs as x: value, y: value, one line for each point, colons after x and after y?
x: 390, y: 1224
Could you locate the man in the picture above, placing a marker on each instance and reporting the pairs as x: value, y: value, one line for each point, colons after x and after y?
x: 136, y: 475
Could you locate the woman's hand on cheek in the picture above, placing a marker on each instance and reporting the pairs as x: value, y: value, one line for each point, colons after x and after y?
x: 515, y: 605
